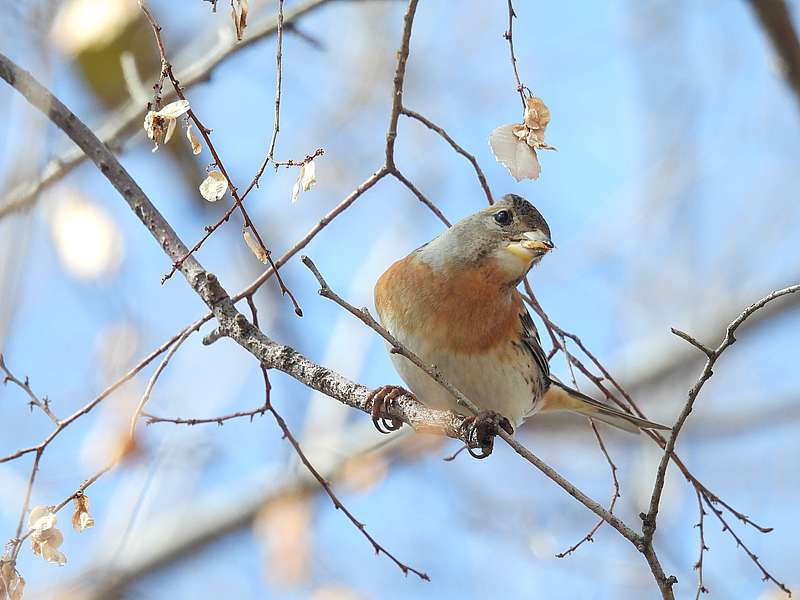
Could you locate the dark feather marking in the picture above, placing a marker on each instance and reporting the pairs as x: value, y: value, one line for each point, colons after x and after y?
x: 530, y: 337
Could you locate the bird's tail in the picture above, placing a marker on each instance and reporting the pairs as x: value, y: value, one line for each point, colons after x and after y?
x: 562, y: 398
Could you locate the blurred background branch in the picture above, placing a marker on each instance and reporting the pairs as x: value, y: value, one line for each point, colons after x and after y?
x: 775, y: 19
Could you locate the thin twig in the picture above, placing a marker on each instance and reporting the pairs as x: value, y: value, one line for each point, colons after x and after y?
x: 324, y: 484
x: 473, y: 161
x: 629, y: 404
x: 151, y: 384
x: 686, y: 337
x: 765, y: 575
x: 166, y: 69
x: 422, y: 198
x: 706, y: 374
x: 18, y: 537
x: 399, y: 78
x: 278, y: 79
x: 43, y: 404
x: 649, y: 520
x: 86, y: 408
x: 615, y: 493
x: 126, y: 121
x: 150, y: 419
x: 699, y: 487
x: 701, y: 588
x: 509, y: 36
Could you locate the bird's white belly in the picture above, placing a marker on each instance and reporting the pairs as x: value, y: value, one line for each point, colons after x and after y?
x: 491, y: 380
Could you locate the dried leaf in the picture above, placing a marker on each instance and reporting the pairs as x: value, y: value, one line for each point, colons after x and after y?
x: 308, y: 175
x: 156, y: 127
x: 41, y: 518
x: 514, y: 153
x: 81, y: 520
x: 45, y: 538
x: 537, y: 115
x: 214, y: 186
x: 306, y: 179
x: 296, y: 190
x: 255, y: 247
x: 46, y: 544
x: 239, y: 16
x: 243, y: 10
x: 173, y: 110
x: 171, y: 125
x: 160, y: 125
x: 197, y: 147
x: 11, y: 582
x: 515, y: 145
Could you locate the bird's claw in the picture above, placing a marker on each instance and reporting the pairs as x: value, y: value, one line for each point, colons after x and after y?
x: 379, y: 397
x: 481, y: 430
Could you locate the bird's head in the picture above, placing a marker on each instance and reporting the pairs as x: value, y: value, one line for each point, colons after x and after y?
x: 511, y: 235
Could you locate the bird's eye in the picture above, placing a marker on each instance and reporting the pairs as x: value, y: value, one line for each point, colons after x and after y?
x: 502, y: 217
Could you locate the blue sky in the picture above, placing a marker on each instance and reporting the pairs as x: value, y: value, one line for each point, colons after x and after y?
x: 672, y: 194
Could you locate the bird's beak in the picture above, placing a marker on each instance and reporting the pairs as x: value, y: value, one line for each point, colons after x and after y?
x: 530, y: 245
x: 536, y: 240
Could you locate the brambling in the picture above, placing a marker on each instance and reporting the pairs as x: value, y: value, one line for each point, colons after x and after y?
x: 454, y: 303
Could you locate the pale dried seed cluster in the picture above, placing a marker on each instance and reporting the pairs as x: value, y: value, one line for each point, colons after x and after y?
x: 257, y: 249
x: 160, y: 125
x: 239, y: 15
x: 306, y: 179
x: 12, y: 585
x: 197, y: 147
x: 46, y: 538
x: 214, y: 186
x: 514, y: 145
x: 81, y: 519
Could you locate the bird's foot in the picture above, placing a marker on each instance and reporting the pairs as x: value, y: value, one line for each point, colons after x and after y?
x: 379, y: 398
x: 481, y: 430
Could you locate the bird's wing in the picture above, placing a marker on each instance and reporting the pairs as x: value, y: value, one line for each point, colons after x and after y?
x: 530, y: 338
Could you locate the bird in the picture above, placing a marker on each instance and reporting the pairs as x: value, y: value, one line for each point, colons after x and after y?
x: 454, y: 302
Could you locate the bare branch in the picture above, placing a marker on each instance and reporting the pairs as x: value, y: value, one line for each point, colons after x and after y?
x: 166, y: 70
x: 473, y: 161
x: 649, y: 520
x: 399, y: 78
x: 126, y: 120
x: 434, y: 209
x: 685, y: 336
x: 86, y: 408
x: 278, y: 78
x: 776, y: 21
x: 42, y: 404
x: 509, y: 36
x: 324, y: 484
x: 701, y: 588
x: 151, y: 384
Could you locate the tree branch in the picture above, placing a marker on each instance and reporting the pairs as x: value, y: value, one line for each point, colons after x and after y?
x: 42, y: 404
x: 776, y: 21
x: 473, y: 161
x: 126, y: 120
x: 649, y: 520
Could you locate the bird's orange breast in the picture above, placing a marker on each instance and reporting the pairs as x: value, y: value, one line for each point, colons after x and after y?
x: 464, y: 308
